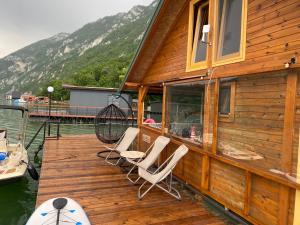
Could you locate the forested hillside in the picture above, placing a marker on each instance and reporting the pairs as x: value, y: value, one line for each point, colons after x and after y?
x: 98, y: 54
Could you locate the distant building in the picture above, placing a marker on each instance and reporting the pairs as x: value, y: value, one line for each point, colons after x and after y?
x: 28, y: 97
x: 90, y: 100
x: 8, y: 97
x: 15, y: 95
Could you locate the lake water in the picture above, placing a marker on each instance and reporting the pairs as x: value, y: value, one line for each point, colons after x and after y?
x: 17, y: 199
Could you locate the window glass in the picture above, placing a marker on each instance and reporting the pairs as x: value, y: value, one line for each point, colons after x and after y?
x: 185, y: 111
x: 224, y: 100
x: 230, y: 21
x: 201, y: 19
x: 153, y: 110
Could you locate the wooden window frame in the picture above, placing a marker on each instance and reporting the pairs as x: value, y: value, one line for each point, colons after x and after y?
x: 190, y: 65
x: 143, y: 114
x: 234, y: 57
x: 230, y: 116
x: 167, y: 114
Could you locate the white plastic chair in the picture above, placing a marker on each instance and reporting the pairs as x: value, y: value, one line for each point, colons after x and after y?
x: 154, y: 151
x: 123, y: 144
x: 162, y: 174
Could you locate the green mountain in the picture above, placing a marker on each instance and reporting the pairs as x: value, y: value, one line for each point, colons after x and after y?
x: 97, y: 54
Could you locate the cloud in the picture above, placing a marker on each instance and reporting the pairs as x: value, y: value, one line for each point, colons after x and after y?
x: 25, y: 21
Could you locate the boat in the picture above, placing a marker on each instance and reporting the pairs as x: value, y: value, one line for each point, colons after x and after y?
x: 13, y: 156
x: 59, y: 211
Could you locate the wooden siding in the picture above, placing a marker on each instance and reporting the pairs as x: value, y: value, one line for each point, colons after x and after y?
x: 225, y: 181
x: 264, y: 200
x: 246, y: 187
x: 259, y: 118
x: 273, y: 35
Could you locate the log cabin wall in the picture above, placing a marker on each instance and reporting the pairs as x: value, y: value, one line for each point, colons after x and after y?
x: 262, y: 118
x: 273, y: 37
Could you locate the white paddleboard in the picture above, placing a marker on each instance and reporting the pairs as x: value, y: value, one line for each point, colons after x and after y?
x: 71, y: 213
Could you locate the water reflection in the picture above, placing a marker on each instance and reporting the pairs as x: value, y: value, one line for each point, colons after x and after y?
x: 17, y: 199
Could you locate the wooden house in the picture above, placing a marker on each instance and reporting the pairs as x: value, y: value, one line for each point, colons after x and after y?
x: 230, y: 92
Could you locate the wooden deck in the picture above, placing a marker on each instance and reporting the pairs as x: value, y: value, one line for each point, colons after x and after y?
x: 70, y: 168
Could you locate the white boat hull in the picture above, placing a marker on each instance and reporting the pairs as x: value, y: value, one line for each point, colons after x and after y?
x: 72, y: 213
x: 16, y: 164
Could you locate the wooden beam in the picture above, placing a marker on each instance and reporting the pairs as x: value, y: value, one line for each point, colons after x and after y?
x: 164, y: 106
x: 142, y: 94
x: 287, y: 142
x: 297, y: 196
x: 211, y: 21
x: 216, y: 117
x: 207, y: 101
x: 205, y: 172
x: 131, y: 86
x: 288, y: 129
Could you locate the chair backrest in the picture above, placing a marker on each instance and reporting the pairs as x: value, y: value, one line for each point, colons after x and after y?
x: 178, y: 154
x: 159, y: 144
x: 128, y: 138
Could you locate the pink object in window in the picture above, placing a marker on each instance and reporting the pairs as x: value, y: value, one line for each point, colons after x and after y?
x: 149, y: 120
x: 193, y: 132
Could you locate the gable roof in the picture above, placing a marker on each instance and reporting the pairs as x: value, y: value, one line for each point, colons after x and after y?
x: 161, y: 23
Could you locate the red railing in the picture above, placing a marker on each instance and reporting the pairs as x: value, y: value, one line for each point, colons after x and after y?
x: 42, y: 110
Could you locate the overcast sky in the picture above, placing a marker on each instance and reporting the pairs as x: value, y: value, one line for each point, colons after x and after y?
x: 23, y: 22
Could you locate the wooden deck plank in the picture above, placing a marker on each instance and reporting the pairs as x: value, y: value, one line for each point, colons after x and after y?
x: 71, y: 168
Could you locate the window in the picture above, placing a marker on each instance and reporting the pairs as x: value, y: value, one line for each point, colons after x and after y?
x: 224, y: 102
x: 230, y: 34
x: 153, y: 110
x: 185, y: 107
x: 227, y: 101
x: 197, y: 50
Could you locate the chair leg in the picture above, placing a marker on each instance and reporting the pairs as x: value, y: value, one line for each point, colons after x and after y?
x: 109, y: 162
x: 140, y: 196
x: 128, y: 175
x: 171, y: 190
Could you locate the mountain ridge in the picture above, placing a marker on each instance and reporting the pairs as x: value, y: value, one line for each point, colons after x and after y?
x: 65, y: 55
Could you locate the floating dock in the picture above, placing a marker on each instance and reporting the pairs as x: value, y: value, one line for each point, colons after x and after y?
x: 71, y: 169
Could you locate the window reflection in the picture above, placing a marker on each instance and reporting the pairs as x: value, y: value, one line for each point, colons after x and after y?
x: 185, y: 108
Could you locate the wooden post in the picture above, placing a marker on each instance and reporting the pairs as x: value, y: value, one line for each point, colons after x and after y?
x: 247, y: 193
x: 205, y: 172
x: 206, y: 139
x: 297, y: 196
x: 142, y: 93
x: 164, y: 106
x: 216, y: 117
x: 287, y: 143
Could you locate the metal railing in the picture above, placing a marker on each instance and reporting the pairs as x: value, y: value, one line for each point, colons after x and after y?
x: 43, y: 127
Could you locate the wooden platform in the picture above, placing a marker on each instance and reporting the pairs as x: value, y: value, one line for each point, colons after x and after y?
x: 70, y: 168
